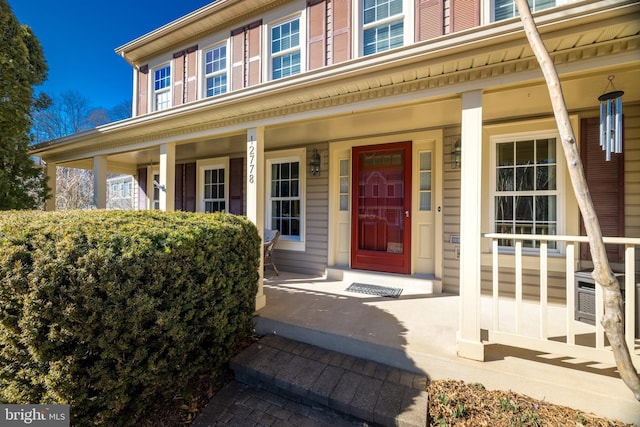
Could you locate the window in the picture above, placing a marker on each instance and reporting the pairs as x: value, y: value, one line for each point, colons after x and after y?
x: 285, y: 198
x: 504, y: 9
x: 162, y: 88
x: 526, y: 189
x: 215, y: 70
x: 212, y: 185
x: 383, y: 25
x: 155, y: 203
x: 425, y: 181
x: 285, y: 49
x: 214, y: 190
x: 344, y: 184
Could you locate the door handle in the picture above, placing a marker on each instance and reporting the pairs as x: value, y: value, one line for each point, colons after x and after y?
x: 406, y: 213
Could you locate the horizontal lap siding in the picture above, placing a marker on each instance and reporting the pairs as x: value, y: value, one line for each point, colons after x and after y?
x: 556, y: 285
x: 313, y: 260
x: 631, y: 147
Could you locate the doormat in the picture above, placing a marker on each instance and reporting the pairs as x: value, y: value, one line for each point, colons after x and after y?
x: 381, y: 291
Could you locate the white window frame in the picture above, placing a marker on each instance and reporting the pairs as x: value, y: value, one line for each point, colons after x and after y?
x: 561, y: 211
x: 492, y: 5
x: 302, y: 46
x: 206, y: 76
x: 151, y: 188
x: 407, y: 17
x: 288, y: 156
x: 208, y: 164
x: 166, y: 90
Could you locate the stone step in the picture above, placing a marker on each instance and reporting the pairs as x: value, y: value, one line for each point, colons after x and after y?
x: 355, y: 387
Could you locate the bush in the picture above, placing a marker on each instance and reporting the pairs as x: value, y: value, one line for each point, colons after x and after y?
x: 109, y: 311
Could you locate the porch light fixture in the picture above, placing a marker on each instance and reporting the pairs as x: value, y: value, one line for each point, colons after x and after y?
x: 456, y: 155
x: 611, y: 120
x: 314, y: 164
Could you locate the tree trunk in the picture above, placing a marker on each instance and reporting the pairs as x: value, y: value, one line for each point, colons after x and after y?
x: 612, y: 320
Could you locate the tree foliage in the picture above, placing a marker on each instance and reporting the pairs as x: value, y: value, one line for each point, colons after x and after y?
x: 23, y: 184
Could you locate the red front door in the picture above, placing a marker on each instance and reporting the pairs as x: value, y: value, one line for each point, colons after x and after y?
x: 381, y: 223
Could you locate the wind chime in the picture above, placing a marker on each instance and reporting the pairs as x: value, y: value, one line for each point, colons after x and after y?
x: 611, y: 120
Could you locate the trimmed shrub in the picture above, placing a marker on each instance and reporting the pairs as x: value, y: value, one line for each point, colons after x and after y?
x: 109, y: 311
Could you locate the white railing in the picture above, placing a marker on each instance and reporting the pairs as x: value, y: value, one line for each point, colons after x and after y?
x: 516, y: 309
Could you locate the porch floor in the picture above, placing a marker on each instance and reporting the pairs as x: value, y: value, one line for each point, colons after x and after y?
x: 417, y: 332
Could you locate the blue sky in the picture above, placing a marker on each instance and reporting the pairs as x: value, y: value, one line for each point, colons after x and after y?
x: 79, y: 38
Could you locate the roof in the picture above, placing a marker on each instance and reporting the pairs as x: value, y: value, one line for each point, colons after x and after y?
x: 220, y: 14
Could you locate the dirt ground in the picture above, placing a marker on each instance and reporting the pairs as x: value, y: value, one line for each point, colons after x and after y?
x: 454, y: 403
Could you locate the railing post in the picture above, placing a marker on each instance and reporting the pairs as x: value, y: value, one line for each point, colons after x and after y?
x: 544, y: 314
x: 630, y: 295
x: 518, y: 286
x: 570, y: 289
x: 496, y: 291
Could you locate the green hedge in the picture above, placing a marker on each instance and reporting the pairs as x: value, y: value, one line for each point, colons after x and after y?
x: 109, y: 311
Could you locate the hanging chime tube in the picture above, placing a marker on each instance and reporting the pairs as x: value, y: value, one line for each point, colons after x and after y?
x: 611, y: 122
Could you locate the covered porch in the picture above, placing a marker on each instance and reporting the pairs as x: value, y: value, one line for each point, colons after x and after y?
x: 417, y: 332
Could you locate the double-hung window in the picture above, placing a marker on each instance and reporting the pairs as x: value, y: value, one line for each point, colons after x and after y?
x: 285, y: 193
x: 382, y: 24
x: 215, y: 70
x: 526, y: 188
x: 285, y: 49
x: 212, y: 184
x: 162, y: 88
x: 504, y: 9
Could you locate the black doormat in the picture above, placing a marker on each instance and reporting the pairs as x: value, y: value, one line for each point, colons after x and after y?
x: 381, y: 291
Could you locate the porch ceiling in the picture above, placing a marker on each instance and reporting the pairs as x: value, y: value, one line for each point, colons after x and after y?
x: 411, y: 88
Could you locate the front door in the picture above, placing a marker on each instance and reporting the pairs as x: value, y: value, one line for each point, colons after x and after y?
x: 381, y: 223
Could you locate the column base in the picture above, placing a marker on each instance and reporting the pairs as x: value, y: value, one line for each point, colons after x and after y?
x: 470, y: 349
x: 261, y: 301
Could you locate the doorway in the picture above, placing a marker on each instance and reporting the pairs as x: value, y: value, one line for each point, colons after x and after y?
x: 381, y: 208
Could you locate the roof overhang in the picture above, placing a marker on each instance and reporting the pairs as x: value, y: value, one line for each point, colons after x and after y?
x: 221, y: 14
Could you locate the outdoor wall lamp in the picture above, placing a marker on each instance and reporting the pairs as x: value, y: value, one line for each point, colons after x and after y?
x: 456, y: 155
x: 314, y: 164
x: 611, y: 120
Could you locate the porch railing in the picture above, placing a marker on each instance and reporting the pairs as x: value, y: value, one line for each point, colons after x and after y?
x: 596, y: 347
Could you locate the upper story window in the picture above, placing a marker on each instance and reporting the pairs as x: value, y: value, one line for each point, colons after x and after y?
x: 382, y: 25
x: 526, y: 188
x: 285, y: 49
x: 215, y: 70
x: 504, y: 9
x: 162, y: 88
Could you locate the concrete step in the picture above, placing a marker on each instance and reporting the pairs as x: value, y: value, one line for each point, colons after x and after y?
x: 355, y: 387
x: 411, y: 284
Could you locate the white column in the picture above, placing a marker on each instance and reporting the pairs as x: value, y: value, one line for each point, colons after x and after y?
x: 51, y: 170
x: 100, y: 182
x: 167, y: 176
x: 468, y: 343
x: 255, y: 196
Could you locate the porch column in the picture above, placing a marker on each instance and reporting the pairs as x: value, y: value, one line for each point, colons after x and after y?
x: 469, y: 344
x: 100, y: 182
x: 255, y: 196
x: 51, y: 170
x: 167, y: 176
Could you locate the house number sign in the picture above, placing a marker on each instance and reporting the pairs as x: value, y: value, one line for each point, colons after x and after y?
x: 252, y: 161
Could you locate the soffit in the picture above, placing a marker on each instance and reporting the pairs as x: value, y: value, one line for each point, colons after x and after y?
x: 483, y: 58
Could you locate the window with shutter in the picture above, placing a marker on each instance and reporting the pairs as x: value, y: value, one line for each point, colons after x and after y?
x: 504, y: 9
x: 382, y: 25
